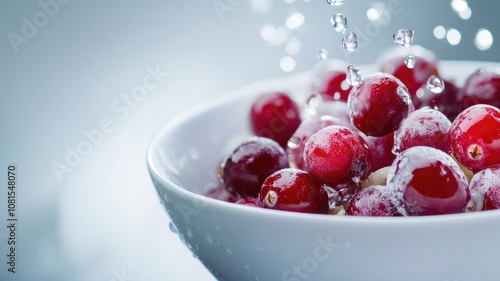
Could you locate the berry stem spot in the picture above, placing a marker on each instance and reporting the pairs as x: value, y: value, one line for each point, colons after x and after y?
x: 475, y: 152
x: 271, y: 198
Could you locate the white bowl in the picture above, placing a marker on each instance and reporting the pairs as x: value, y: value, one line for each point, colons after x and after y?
x: 244, y: 243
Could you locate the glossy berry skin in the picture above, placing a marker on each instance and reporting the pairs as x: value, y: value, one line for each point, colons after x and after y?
x: 447, y: 101
x: 423, y: 127
x: 276, y: 116
x: 392, y: 62
x: 307, y: 128
x: 426, y: 181
x: 475, y: 137
x: 250, y: 164
x: 337, y: 155
x: 248, y: 201
x: 372, y: 201
x: 381, y: 151
x: 379, y: 104
x: 482, y: 87
x: 487, y: 184
x: 293, y: 190
x: 332, y: 86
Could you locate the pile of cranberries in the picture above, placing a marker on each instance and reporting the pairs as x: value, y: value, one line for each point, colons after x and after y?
x: 388, y: 146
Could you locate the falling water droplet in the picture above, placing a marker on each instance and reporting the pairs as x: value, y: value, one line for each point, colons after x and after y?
x: 350, y: 41
x: 323, y: 54
x: 335, y: 2
x: 173, y: 228
x: 353, y: 75
x: 410, y: 61
x: 435, y: 84
x: 339, y: 22
x: 403, y: 37
x: 293, y: 142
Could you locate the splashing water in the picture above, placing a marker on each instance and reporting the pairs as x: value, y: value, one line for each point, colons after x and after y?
x: 333, y: 196
x: 410, y: 61
x: 403, y: 37
x: 353, y: 75
x: 435, y: 84
x: 335, y: 2
x: 339, y: 22
x: 350, y: 41
x: 323, y: 54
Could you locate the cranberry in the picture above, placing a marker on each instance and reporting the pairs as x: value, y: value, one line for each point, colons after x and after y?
x: 426, y: 181
x: 250, y: 164
x: 475, y: 137
x: 379, y: 104
x: 425, y: 126
x: 336, y: 155
x: 307, y: 128
x: 248, y: 201
x: 276, y: 116
x: 381, y: 151
x: 373, y: 201
x: 487, y: 183
x: 482, y: 87
x: 425, y: 65
x: 332, y: 85
x: 293, y: 190
x: 336, y: 109
x: 447, y: 101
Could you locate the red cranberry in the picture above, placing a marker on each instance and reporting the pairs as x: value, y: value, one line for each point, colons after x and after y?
x: 293, y: 190
x: 307, y: 128
x: 426, y: 181
x: 482, y: 87
x: 425, y: 66
x: 276, y: 116
x: 248, y: 201
x: 447, y: 101
x: 250, y: 164
x: 425, y: 126
x: 372, y: 201
x: 336, y: 155
x: 379, y: 104
x: 381, y: 151
x: 487, y: 183
x: 336, y: 109
x: 475, y: 137
x: 331, y: 84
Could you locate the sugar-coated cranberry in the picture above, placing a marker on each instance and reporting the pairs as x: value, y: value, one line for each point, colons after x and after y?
x: 220, y: 192
x: 447, y: 101
x: 482, y: 87
x: 336, y: 109
x: 373, y: 201
x: 293, y: 190
x: 475, y: 137
x: 379, y: 104
x: 426, y: 181
x: 246, y: 168
x: 425, y: 126
x: 276, y: 116
x: 392, y: 62
x: 332, y: 85
x: 248, y: 201
x: 487, y: 183
x: 307, y: 128
x: 336, y: 155
x: 381, y: 151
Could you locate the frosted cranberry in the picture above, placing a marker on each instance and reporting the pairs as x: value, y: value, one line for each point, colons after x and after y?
x: 373, y: 201
x: 426, y: 181
x: 447, y: 101
x: 336, y: 109
x: 482, y: 87
x: 379, y: 104
x: 475, y: 137
x: 381, y: 151
x: 220, y: 193
x: 307, y: 128
x: 293, y: 190
x: 331, y: 84
x: 336, y: 155
x: 250, y: 164
x: 392, y: 62
x: 487, y: 183
x: 276, y: 116
x: 248, y: 201
x: 425, y: 126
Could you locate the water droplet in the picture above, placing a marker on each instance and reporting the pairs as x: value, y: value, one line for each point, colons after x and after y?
x: 189, y: 232
x: 335, y: 2
x: 173, y: 228
x: 333, y: 196
x: 209, y: 239
x: 339, y: 22
x: 350, y: 41
x: 312, y: 104
x: 403, y: 37
x: 484, y: 39
x: 353, y: 75
x: 337, y: 95
x: 410, y: 61
x: 435, y: 84
x: 293, y: 142
x: 229, y: 251
x: 323, y: 54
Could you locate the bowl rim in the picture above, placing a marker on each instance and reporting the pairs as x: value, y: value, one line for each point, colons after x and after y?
x: 237, y: 209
